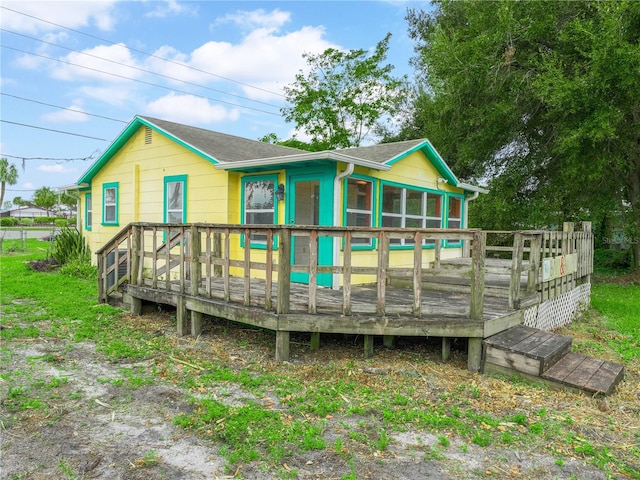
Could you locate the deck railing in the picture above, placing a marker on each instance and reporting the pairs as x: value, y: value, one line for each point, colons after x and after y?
x: 209, y: 260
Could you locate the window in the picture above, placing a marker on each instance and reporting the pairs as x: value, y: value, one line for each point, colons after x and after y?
x: 110, y: 204
x: 175, y: 199
x: 455, y: 213
x: 88, y: 211
x: 259, y: 203
x: 359, y: 207
x: 410, y: 208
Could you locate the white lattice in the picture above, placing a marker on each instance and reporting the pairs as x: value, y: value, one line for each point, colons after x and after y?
x: 559, y: 311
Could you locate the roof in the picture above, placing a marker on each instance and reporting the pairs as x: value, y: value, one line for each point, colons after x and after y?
x: 230, y: 152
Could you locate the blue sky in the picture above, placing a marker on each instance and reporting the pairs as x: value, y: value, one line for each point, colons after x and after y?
x: 85, y: 68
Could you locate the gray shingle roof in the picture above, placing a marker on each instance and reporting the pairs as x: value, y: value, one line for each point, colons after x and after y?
x: 221, y: 146
x: 383, y: 152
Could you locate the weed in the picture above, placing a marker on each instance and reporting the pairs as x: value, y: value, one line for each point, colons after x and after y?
x: 443, y: 441
x: 481, y: 437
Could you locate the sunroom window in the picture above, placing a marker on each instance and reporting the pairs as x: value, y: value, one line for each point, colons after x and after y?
x: 410, y: 208
x: 259, y: 205
x: 359, y: 207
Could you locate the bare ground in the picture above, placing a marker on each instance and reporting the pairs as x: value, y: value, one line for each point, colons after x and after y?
x: 95, y: 425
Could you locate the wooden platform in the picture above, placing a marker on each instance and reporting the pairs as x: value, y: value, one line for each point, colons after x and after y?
x: 546, y: 356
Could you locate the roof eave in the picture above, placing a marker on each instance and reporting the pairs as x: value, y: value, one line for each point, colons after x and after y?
x: 471, y: 188
x: 303, y: 157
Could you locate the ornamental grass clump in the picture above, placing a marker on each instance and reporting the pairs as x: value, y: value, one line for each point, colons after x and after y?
x: 70, y: 247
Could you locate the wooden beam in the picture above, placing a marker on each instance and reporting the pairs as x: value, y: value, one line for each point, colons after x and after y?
x: 446, y: 348
x: 474, y: 354
x: 181, y: 317
x: 516, y: 270
x: 368, y: 346
x: 315, y: 340
x: 478, y: 252
x: 389, y: 341
x: 196, y: 323
x: 195, y: 267
x: 417, y: 275
x: 346, y: 276
x: 383, y: 262
x: 282, y: 346
x: 284, y: 271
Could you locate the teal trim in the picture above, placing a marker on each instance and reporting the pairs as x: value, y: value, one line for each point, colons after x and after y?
x: 447, y: 243
x: 88, y: 198
x: 325, y: 177
x: 434, y: 157
x: 374, y: 218
x: 415, y: 188
x: 124, y: 137
x: 250, y: 178
x: 105, y: 187
x: 171, y: 179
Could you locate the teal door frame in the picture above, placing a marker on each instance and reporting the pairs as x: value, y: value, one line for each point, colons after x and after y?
x: 324, y: 177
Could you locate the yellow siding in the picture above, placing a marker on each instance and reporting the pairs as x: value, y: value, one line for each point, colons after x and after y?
x: 140, y: 170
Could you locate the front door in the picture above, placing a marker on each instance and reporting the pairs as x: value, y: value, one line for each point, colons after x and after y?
x: 310, y: 203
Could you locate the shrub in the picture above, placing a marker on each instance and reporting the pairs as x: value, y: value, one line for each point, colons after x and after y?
x: 70, y: 246
x: 8, y: 221
x: 27, y: 222
x: 60, y: 222
x: 80, y: 269
x: 43, y: 220
x: 71, y: 221
x: 616, y: 259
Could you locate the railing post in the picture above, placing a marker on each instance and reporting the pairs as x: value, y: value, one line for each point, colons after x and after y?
x: 383, y: 261
x: 587, y: 253
x: 135, y: 253
x: 194, y: 254
x: 478, y: 252
x: 516, y: 270
x: 102, y: 277
x: 534, y: 263
x: 417, y: 275
x: 284, y: 271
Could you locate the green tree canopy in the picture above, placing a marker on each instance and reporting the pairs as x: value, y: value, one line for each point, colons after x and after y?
x: 343, y: 96
x: 8, y: 176
x: 45, y: 198
x: 542, y: 99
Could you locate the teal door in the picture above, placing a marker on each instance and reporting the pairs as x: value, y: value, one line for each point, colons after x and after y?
x: 310, y: 202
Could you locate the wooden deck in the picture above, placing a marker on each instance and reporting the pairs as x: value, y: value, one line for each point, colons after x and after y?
x: 212, y: 270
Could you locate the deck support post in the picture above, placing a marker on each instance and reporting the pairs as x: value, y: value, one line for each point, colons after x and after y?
x: 474, y: 355
x: 368, y: 346
x: 196, y: 323
x: 315, y: 340
x: 282, y: 346
x: 478, y: 252
x: 181, y: 316
x: 389, y: 341
x: 135, y: 305
x: 446, y: 348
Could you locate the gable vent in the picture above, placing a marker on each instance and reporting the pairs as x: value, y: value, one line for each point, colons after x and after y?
x: 148, y: 137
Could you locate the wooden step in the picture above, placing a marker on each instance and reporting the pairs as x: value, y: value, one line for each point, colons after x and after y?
x: 585, y: 373
x: 527, y: 350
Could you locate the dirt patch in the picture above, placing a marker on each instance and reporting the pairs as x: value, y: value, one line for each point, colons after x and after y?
x: 114, y: 420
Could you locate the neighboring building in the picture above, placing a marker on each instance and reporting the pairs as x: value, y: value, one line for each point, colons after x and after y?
x: 165, y: 172
x: 26, y: 212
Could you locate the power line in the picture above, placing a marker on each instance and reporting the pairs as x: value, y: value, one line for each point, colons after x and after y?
x: 138, y: 80
x: 56, y: 131
x: 145, y: 53
x: 63, y: 108
x: 54, y: 159
x: 139, y: 68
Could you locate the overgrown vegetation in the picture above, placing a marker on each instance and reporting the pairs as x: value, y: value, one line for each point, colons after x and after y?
x: 330, y: 401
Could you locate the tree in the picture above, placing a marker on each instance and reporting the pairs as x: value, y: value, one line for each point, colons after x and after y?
x: 45, y: 198
x: 344, y: 96
x: 8, y: 176
x: 540, y: 98
x: 69, y: 199
x: 293, y: 142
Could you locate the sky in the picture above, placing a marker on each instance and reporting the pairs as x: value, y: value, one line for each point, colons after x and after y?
x: 74, y: 74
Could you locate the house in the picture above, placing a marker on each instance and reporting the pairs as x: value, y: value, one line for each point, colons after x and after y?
x: 26, y: 211
x: 160, y: 171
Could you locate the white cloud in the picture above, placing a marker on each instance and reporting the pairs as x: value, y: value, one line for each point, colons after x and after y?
x: 190, y: 109
x: 118, y: 96
x: 77, y: 115
x: 255, y: 19
x: 171, y: 7
x: 115, y: 59
x: 100, y: 14
x: 264, y: 58
x: 55, y: 168
x: 27, y: 186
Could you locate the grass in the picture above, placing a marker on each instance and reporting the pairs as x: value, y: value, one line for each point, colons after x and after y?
x: 312, y: 397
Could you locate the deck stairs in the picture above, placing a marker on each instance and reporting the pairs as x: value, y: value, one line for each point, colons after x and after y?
x: 547, y: 357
